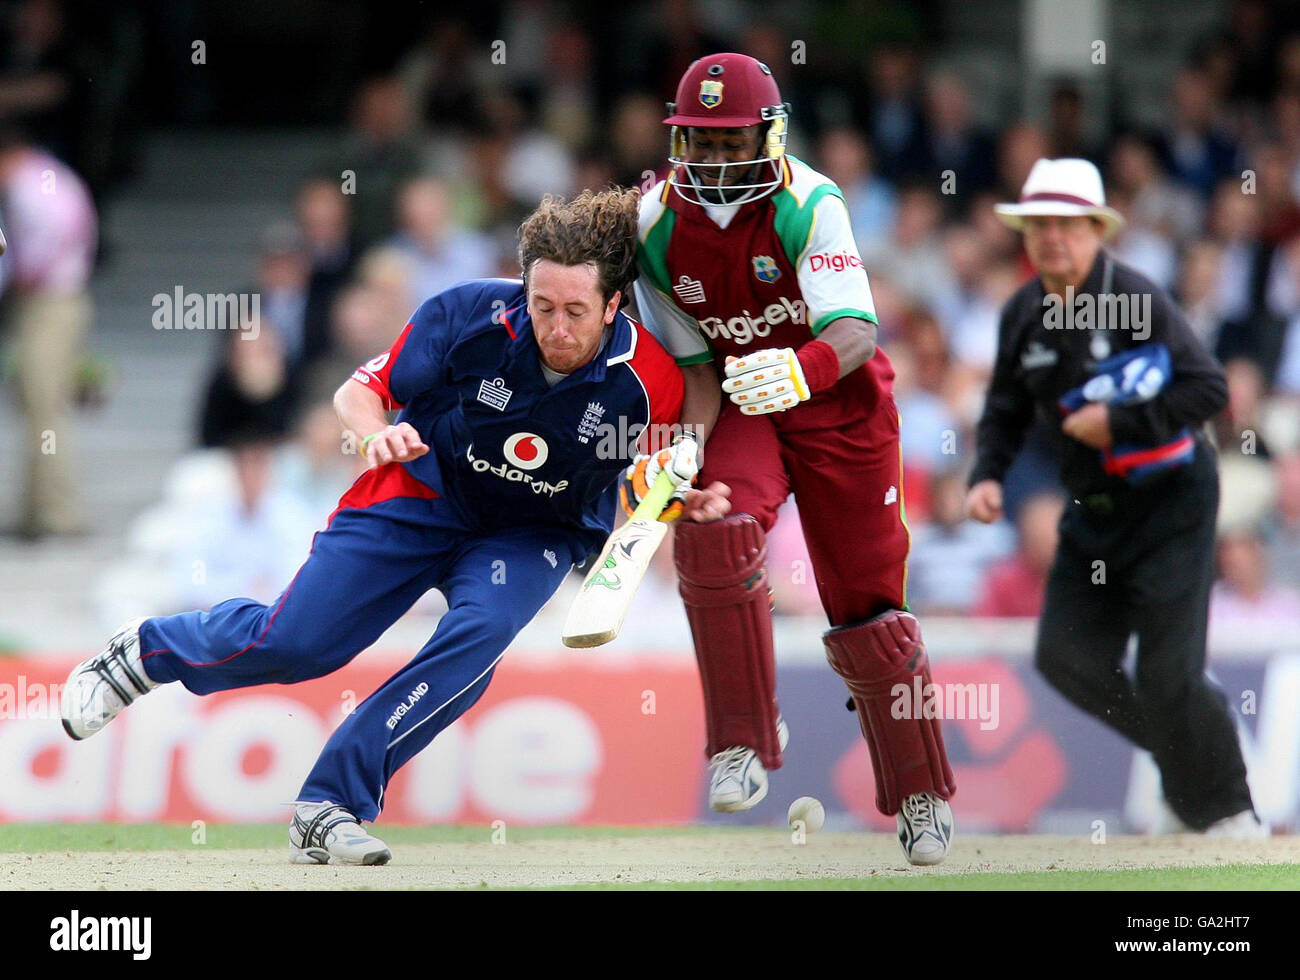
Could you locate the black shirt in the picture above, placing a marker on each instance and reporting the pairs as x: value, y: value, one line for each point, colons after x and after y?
x: 1043, y: 353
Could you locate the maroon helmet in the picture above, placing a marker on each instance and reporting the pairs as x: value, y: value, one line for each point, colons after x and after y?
x: 727, y: 91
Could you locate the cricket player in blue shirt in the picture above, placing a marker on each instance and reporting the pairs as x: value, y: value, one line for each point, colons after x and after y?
x: 504, y: 387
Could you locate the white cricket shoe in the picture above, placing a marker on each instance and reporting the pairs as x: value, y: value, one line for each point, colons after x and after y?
x: 1245, y: 825
x: 99, y: 688
x: 739, y: 780
x: 925, y: 828
x: 326, y: 833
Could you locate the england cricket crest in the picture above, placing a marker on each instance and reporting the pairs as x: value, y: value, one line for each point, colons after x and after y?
x: 710, y: 93
x: 765, y: 268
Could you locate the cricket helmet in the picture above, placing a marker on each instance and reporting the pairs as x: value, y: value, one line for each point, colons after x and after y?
x: 727, y: 91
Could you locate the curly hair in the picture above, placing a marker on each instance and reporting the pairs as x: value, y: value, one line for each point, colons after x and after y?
x: 592, y: 229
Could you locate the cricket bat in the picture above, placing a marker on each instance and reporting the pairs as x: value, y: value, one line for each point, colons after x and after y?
x: 598, y: 610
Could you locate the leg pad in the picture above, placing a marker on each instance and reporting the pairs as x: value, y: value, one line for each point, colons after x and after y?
x: 724, y: 587
x: 907, y: 753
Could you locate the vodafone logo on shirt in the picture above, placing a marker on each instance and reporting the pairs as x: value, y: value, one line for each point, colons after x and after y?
x: 526, y: 450
x: 834, y: 262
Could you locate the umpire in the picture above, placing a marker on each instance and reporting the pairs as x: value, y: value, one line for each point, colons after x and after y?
x: 1094, y: 344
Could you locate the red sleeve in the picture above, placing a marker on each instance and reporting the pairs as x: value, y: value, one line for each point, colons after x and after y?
x: 375, y: 373
x: 664, y: 388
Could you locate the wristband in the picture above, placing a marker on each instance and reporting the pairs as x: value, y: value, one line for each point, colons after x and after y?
x: 366, y: 441
x: 820, y: 363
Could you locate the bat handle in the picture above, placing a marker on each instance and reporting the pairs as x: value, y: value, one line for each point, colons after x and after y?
x: 653, y: 503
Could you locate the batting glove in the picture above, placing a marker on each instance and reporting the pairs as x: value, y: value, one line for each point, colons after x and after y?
x: 766, y: 381
x: 680, y: 461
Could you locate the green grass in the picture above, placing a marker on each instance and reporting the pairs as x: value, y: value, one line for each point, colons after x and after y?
x: 1226, y: 877
x: 77, y: 837
x: 37, y: 837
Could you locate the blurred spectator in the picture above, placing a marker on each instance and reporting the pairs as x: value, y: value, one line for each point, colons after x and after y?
x: 248, y: 545
x: 440, y: 253
x: 677, y: 35
x: 283, y: 276
x: 1145, y: 249
x: 1020, y: 146
x: 592, y: 172
x: 388, y: 271
x: 325, y: 222
x: 1191, y: 147
x: 846, y: 158
x: 382, y: 150
x: 1244, y: 597
x: 914, y: 258
x: 361, y: 329
x: 445, y: 74
x: 963, y: 250
x: 1288, y: 64
x: 1198, y: 290
x: 951, y: 555
x: 998, y: 243
x: 1249, y: 35
x: 927, y: 430
x: 1235, y: 226
x: 567, y: 110
x: 250, y: 396
x: 52, y: 230
x: 1282, y: 527
x: 535, y: 163
x: 1275, y: 341
x: 315, y: 467
x: 892, y: 117
x: 639, y: 141
x: 41, y: 84
x: 1016, y: 585
x: 1065, y: 127
x: 1271, y: 165
x: 974, y: 335
x: 952, y: 142
x: 1245, y: 405
x: 1156, y: 203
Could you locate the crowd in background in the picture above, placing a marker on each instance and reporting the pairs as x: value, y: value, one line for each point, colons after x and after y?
x: 450, y: 150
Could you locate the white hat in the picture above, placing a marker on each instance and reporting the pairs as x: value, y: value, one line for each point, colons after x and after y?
x: 1066, y: 187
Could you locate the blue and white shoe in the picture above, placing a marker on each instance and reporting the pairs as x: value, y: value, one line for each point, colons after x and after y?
x: 739, y: 780
x: 925, y: 828
x: 99, y: 689
x: 326, y: 833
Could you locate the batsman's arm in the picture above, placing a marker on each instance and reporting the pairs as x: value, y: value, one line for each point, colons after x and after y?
x: 361, y: 411
x: 852, y: 339
x: 701, y: 400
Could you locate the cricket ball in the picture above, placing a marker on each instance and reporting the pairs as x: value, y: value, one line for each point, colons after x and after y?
x: 810, y: 811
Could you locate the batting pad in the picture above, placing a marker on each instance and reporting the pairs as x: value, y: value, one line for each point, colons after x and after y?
x: 724, y: 587
x: 907, y: 753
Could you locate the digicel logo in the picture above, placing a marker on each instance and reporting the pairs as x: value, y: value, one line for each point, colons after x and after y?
x: 836, y: 262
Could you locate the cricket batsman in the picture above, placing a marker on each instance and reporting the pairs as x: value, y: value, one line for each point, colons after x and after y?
x: 750, y: 277
x: 491, y: 460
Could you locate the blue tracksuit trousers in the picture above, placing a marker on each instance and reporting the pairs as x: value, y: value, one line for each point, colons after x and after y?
x: 364, y: 571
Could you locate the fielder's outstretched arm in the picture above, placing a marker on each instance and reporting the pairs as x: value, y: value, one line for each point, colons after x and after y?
x: 361, y: 411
